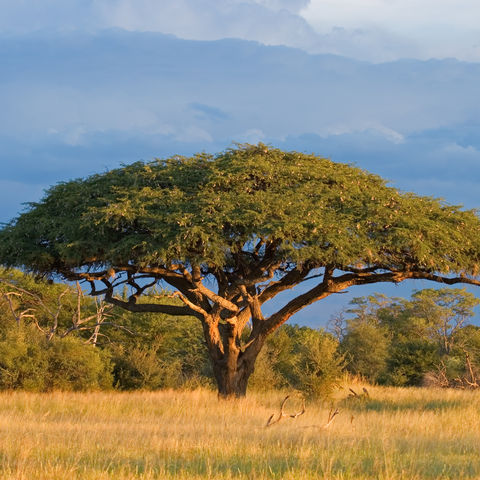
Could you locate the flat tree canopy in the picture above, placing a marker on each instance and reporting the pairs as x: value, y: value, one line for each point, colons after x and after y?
x: 229, y: 232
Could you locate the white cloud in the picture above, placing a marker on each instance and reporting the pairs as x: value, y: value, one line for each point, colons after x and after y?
x: 435, y: 28
x: 292, y: 6
x: 396, y: 15
x: 373, y: 30
x: 272, y: 22
x: 388, y: 133
x: 75, y: 136
x: 362, y: 127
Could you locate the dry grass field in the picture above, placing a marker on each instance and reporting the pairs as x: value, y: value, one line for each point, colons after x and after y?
x: 395, y: 434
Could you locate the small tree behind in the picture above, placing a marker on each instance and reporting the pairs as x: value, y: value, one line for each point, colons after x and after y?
x: 399, y: 342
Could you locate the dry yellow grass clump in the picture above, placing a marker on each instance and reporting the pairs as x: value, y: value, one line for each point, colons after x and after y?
x: 393, y: 434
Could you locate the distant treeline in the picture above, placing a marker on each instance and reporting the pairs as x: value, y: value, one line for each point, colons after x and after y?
x: 54, y: 337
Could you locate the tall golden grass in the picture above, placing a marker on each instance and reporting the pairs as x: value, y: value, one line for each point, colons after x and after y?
x: 395, y: 434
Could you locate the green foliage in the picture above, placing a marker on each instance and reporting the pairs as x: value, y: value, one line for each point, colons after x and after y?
x: 467, y: 339
x: 23, y: 361
x: 318, y: 365
x: 72, y: 365
x: 409, y: 361
x: 29, y: 362
x: 277, y: 360
x: 141, y: 367
x: 300, y: 358
x: 400, y: 342
x: 366, y: 347
x: 444, y: 312
x: 25, y: 298
x: 266, y: 375
x: 204, y: 208
x: 163, y: 352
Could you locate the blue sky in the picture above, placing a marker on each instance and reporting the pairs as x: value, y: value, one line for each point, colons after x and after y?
x: 391, y: 85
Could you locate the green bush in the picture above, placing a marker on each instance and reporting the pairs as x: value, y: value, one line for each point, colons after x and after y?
x: 23, y: 363
x: 299, y: 358
x: 318, y: 365
x: 409, y: 362
x: 266, y: 376
x: 72, y: 365
x: 366, y: 348
x: 142, y: 367
x: 29, y: 362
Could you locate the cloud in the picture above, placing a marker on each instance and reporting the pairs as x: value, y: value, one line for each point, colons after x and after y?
x: 269, y: 22
x: 71, y: 85
x: 372, y: 30
x: 252, y: 135
x: 193, y: 134
x: 209, y: 112
x: 396, y: 15
x: 293, y: 6
x: 74, y: 104
x: 413, y: 28
x: 368, y: 128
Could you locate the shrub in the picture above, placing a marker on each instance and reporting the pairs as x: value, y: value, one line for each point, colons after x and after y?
x: 318, y: 365
x: 366, y: 346
x: 72, y: 365
x: 23, y: 363
x: 410, y: 361
x: 28, y: 361
x: 265, y: 376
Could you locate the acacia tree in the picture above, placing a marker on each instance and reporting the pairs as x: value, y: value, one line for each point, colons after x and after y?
x: 445, y: 312
x: 229, y: 232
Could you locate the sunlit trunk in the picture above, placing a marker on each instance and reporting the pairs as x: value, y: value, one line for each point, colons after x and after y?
x: 232, y: 364
x: 232, y: 376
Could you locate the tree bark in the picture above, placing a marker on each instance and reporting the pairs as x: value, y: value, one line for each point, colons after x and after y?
x: 232, y: 364
x: 232, y: 375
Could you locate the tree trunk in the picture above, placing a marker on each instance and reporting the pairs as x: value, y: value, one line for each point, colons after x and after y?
x: 232, y: 363
x: 232, y: 373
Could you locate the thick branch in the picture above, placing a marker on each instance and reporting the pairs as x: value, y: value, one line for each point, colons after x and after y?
x: 327, y: 287
x: 222, y: 302
x: 291, y: 279
x: 447, y: 280
x: 150, y: 307
x: 191, y: 305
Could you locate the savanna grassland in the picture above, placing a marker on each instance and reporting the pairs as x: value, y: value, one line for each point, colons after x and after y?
x: 395, y: 434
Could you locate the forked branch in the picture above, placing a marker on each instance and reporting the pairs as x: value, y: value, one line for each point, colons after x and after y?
x: 331, y: 416
x: 272, y: 420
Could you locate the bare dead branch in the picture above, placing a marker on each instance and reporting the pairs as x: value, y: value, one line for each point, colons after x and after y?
x: 331, y: 416
x: 18, y: 318
x: 354, y: 394
x: 272, y: 420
